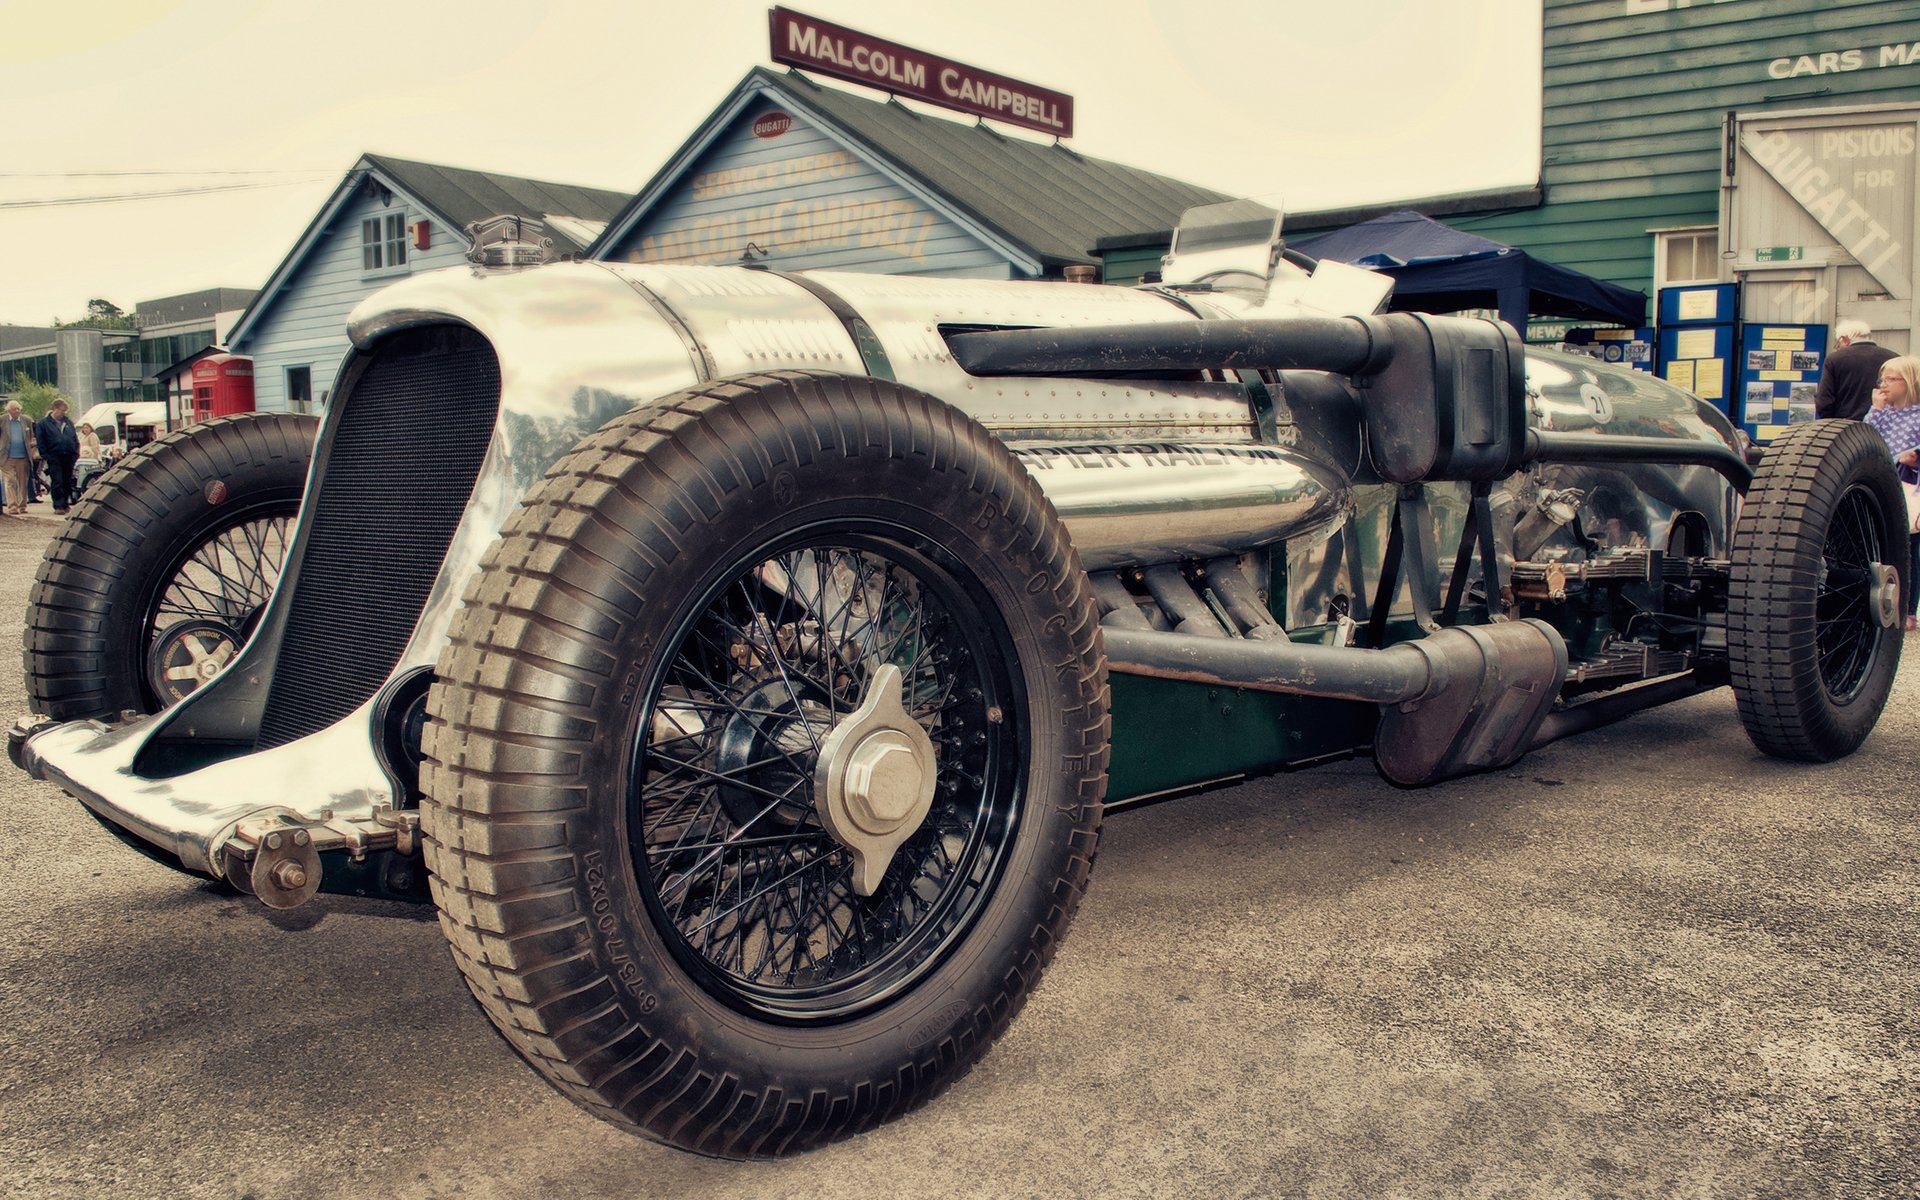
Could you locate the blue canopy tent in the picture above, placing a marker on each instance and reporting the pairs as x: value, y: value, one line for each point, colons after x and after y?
x: 1439, y: 269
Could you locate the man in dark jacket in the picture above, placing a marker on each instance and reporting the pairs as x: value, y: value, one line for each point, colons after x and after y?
x: 1846, y: 386
x: 59, y: 448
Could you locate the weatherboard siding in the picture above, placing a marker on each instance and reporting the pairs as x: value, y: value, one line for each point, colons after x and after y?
x: 307, y: 323
x: 1128, y: 266
x: 1635, y: 95
x: 801, y: 200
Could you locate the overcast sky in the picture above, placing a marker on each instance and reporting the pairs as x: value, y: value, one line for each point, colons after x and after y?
x: 1300, y: 103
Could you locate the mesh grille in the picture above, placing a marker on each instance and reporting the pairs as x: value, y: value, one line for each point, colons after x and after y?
x: 398, y: 475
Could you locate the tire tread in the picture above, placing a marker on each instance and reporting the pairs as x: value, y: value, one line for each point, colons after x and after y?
x: 1777, y: 562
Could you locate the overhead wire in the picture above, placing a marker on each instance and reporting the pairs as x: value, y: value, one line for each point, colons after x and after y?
x: 121, y: 197
x: 156, y: 171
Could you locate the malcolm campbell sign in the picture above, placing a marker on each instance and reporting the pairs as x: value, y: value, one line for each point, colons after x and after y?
x: 815, y: 45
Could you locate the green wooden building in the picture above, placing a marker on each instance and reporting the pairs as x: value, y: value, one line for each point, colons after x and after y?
x: 1653, y: 113
x: 1764, y: 142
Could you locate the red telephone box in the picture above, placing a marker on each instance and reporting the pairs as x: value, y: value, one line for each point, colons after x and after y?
x: 222, y: 386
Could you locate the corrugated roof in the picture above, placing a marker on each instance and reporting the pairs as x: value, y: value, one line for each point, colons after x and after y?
x: 463, y: 196
x: 1050, y: 201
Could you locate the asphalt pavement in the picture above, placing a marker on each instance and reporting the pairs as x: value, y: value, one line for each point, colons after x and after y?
x: 1646, y: 961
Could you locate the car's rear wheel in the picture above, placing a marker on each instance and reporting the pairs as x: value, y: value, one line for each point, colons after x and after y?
x: 765, y: 769
x: 162, y: 571
x: 1819, y: 564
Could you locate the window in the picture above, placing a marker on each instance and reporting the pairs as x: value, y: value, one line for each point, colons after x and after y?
x: 300, y: 389
x: 383, y: 242
x: 1686, y: 256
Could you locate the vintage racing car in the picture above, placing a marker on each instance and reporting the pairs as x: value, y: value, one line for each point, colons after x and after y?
x: 745, y: 657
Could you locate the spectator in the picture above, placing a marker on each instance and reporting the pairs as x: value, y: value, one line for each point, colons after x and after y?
x: 1846, y: 386
x: 19, y: 456
x: 59, y: 449
x: 89, y: 442
x: 1896, y: 414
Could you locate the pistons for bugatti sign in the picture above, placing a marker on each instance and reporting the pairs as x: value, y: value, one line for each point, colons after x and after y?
x: 829, y: 49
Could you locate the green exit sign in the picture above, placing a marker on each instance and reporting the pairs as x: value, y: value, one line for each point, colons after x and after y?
x: 1779, y: 254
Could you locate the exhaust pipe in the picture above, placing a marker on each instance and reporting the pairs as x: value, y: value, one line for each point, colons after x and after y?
x: 1462, y: 699
x: 1344, y: 344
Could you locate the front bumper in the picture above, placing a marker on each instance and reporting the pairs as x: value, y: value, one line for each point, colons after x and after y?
x: 328, y: 781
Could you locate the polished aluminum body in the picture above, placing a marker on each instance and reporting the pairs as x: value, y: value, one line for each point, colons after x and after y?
x: 1139, y: 503
x: 1143, y: 472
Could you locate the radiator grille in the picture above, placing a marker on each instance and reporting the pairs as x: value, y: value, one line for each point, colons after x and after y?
x: 399, y: 472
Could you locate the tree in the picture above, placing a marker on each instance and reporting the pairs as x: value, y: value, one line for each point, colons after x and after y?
x: 35, y: 397
x: 101, y: 314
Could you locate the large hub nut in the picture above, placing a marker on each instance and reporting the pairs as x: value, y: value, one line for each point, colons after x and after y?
x: 1883, y: 594
x: 874, y: 781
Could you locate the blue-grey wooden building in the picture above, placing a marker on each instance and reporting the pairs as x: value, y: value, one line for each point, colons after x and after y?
x: 793, y: 174
x: 388, y: 218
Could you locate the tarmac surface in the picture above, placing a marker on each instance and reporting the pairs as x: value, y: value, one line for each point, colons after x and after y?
x: 1646, y: 961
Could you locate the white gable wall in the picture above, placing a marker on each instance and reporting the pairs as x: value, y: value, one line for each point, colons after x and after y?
x: 808, y: 204
x: 306, y: 326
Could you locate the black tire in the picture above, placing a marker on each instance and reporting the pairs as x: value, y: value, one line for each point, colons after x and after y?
x: 190, y: 528
x: 1812, y: 640
x: 576, y: 842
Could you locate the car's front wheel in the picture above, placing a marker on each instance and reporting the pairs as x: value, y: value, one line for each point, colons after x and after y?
x: 766, y: 768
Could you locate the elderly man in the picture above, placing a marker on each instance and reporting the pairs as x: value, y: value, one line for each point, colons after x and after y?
x: 59, y: 448
x: 1846, y: 386
x: 19, y: 456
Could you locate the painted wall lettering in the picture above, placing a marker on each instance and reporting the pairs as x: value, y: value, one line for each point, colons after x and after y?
x: 1885, y: 141
x: 1830, y: 62
x: 790, y: 172
x: 790, y: 227
x: 1636, y: 7
x: 1819, y: 172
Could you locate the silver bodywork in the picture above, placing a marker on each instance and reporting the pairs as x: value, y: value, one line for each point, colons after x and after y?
x: 1143, y: 472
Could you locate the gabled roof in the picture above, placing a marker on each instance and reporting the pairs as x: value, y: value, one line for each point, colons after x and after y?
x: 1042, y: 204
x: 453, y: 197
x: 460, y: 196
x: 183, y: 366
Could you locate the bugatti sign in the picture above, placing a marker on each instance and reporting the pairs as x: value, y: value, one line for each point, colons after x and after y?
x: 814, y: 45
x: 772, y: 125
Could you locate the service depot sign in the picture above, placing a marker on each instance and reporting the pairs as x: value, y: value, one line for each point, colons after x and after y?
x: 815, y: 45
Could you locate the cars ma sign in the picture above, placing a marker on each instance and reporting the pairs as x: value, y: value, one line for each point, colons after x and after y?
x: 829, y: 49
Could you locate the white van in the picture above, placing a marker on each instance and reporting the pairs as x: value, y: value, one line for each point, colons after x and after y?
x: 122, y: 425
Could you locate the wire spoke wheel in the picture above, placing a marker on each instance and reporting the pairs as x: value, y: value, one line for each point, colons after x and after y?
x: 219, y: 589
x: 1847, y: 629
x: 763, y: 773
x: 726, y: 831
x: 1819, y: 560
x: 162, y: 571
